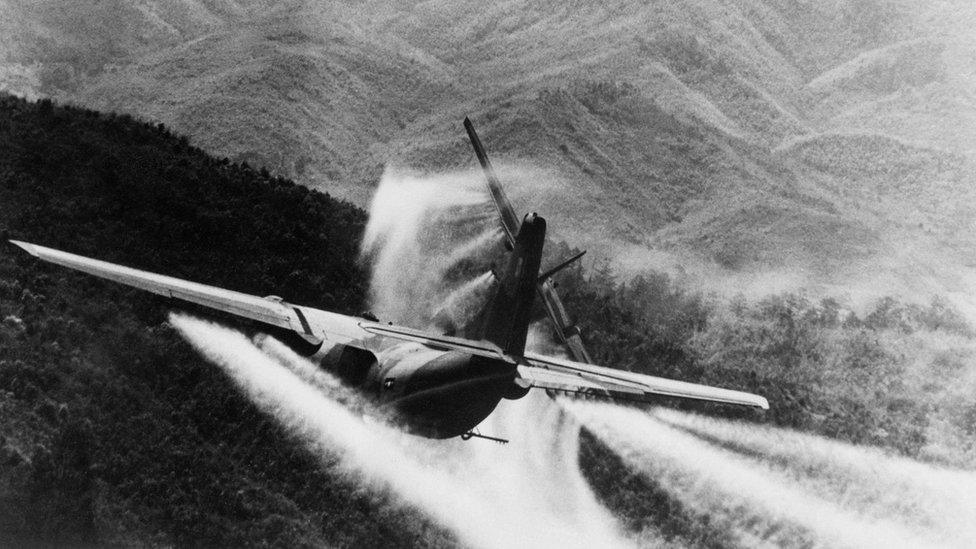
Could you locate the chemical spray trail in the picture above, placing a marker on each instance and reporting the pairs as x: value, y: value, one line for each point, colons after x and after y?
x: 318, y: 378
x: 489, y: 495
x: 923, y: 496
x: 462, y: 305
x: 755, y: 498
x: 418, y: 229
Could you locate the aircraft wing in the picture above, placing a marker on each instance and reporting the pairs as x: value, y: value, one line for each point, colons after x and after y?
x: 314, y: 325
x: 545, y: 372
x: 568, y: 333
x: 318, y: 326
x: 559, y: 374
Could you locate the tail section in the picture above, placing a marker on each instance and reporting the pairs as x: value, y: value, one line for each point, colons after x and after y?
x: 507, y: 321
x: 567, y: 332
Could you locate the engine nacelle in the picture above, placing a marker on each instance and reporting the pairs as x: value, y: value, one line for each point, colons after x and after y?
x: 351, y: 365
x: 515, y: 392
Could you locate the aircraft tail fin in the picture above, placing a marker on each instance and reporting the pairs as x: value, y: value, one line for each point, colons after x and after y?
x: 506, y: 323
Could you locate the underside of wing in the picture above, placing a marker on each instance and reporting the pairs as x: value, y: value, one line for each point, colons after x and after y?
x: 314, y: 325
x: 565, y: 375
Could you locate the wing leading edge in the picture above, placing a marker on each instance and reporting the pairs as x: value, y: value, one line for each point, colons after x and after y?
x: 314, y: 325
x: 559, y: 374
x: 545, y: 372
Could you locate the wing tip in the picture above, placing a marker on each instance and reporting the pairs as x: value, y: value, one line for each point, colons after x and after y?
x: 762, y: 403
x: 27, y: 247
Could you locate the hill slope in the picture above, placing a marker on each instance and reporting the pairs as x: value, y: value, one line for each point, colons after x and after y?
x: 114, y: 431
x: 662, y: 129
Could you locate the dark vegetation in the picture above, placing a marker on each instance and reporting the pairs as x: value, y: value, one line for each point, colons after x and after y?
x: 112, y: 430
x: 824, y: 368
x: 890, y: 375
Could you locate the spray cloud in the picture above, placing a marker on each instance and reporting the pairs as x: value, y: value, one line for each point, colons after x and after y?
x: 427, y: 239
x: 420, y: 228
x: 862, y: 479
x: 760, y: 484
x: 490, y: 495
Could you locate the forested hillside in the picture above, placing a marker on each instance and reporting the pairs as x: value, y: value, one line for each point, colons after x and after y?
x: 732, y: 141
x: 895, y: 375
x: 114, y: 432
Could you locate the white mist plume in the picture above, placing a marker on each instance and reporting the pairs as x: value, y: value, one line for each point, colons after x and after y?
x: 463, y: 304
x: 752, y: 496
x: 858, y: 478
x: 418, y: 228
x: 526, y: 494
x: 318, y: 378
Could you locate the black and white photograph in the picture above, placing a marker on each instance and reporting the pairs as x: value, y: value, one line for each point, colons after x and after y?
x: 669, y: 274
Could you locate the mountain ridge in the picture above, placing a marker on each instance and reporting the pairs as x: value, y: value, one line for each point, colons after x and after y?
x: 661, y: 126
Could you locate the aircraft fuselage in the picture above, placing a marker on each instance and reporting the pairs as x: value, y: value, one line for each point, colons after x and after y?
x: 428, y: 392
x: 443, y: 394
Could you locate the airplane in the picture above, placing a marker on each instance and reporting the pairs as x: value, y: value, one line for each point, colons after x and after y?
x: 434, y: 385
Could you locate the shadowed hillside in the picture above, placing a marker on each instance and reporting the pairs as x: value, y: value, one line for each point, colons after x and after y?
x: 114, y: 431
